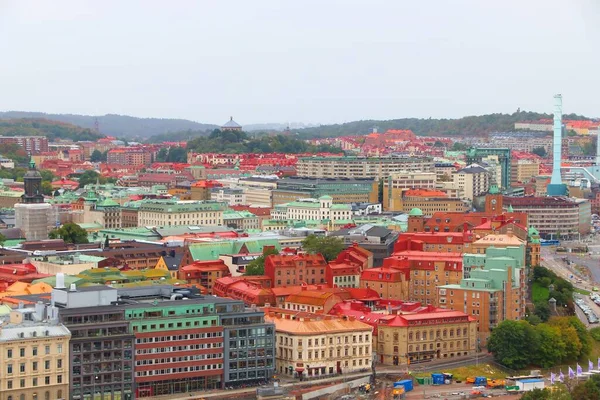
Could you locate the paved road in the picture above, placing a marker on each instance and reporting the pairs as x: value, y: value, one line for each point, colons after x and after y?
x: 554, y: 262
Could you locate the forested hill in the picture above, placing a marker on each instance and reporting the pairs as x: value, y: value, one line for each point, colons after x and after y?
x: 118, y: 125
x: 53, y: 130
x: 469, y: 126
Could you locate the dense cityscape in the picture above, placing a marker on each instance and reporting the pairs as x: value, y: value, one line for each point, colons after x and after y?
x: 128, y: 276
x: 309, y: 200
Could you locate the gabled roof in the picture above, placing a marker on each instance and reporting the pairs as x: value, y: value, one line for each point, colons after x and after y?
x: 231, y: 124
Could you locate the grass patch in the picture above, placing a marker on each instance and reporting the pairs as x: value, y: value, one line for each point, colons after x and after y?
x: 462, y: 373
x: 539, y: 293
x: 581, y: 291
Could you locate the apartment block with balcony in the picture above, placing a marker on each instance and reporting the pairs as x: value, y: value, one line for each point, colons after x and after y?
x: 493, y: 290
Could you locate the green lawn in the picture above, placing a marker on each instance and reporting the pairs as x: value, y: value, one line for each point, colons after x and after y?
x: 539, y: 293
x: 581, y: 291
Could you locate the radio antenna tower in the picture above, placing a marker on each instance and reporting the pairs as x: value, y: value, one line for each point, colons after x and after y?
x: 96, y: 125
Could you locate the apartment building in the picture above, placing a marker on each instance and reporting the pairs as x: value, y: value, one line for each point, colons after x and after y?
x: 389, y: 283
x: 397, y: 183
x: 523, y: 169
x: 312, y: 209
x: 31, y: 144
x: 361, y: 167
x: 292, y: 270
x: 473, y: 180
x: 34, y: 355
x: 494, y: 291
x: 129, y: 156
x: 313, y: 345
x: 170, y: 212
x: 342, y: 191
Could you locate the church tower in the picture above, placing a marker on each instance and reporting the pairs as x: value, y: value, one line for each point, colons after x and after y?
x: 493, y: 201
x: 33, y: 186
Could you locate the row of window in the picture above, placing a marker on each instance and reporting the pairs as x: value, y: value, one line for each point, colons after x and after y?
x: 10, y: 352
x: 34, y: 366
x: 173, y: 325
x: 167, y: 360
x: 34, y: 382
x: 337, y: 340
x: 46, y: 396
x: 167, y: 371
x: 179, y: 337
x: 170, y: 349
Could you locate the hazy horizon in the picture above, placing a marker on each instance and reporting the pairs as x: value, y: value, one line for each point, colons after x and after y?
x: 304, y: 62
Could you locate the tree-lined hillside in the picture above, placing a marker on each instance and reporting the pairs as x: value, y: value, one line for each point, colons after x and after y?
x: 469, y: 126
x: 117, y: 125
x: 53, y: 130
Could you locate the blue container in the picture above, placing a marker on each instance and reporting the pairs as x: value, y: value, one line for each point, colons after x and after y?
x: 438, y: 379
x: 406, y: 383
x: 480, y: 381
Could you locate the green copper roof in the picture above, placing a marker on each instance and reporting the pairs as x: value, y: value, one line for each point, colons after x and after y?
x: 415, y: 212
x: 212, y: 250
x: 325, y: 197
x: 107, y: 203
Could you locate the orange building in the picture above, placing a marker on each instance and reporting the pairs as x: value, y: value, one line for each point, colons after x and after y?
x: 291, y: 270
x: 204, y: 273
x: 427, y: 271
x: 389, y: 283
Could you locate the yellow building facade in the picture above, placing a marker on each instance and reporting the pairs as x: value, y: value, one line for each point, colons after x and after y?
x: 34, y: 358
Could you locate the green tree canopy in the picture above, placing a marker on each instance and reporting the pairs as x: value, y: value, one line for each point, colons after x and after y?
x: 257, y: 266
x: 328, y: 246
x: 2, y: 239
x: 540, y: 151
x: 98, y: 156
x: 511, y: 343
x: 177, y: 154
x: 542, y: 310
x: 70, y: 233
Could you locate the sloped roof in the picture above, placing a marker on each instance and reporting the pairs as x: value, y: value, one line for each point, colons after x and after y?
x: 231, y: 124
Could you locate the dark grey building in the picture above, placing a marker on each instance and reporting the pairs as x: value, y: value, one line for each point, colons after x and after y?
x: 249, y: 344
x: 377, y: 239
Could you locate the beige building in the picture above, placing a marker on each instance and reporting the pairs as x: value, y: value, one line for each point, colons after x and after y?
x: 315, y: 345
x: 522, y: 170
x: 361, y: 167
x: 473, y: 180
x: 190, y: 212
x: 34, y: 356
x: 432, y: 335
x: 312, y: 209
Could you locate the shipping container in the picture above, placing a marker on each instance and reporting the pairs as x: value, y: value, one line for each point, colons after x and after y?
x: 530, y: 384
x: 407, y: 384
x: 438, y: 379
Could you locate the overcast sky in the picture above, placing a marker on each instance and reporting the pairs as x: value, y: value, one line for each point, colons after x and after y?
x: 307, y: 61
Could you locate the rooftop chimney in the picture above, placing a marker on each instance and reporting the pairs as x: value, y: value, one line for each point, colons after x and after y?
x: 60, y: 281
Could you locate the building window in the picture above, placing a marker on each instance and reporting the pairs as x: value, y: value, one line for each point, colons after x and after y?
x: 34, y: 351
x: 34, y: 382
x: 22, y: 352
x: 9, y: 384
x: 47, y: 380
x: 9, y: 353
x: 9, y: 369
x: 58, y: 378
x: 22, y: 367
x: 22, y: 383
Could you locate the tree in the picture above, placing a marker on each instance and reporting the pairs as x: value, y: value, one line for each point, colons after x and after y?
x: 542, y: 310
x: 537, y: 394
x: 328, y: 246
x: 89, y: 177
x: 70, y: 233
x: 511, y: 343
x: 47, y: 188
x: 438, y: 144
x: 533, y: 319
x: 550, y: 349
x: 177, y: 154
x: 540, y: 151
x: 2, y: 239
x: 458, y: 146
x: 575, y: 334
x: 588, y: 390
x: 161, y: 156
x: 257, y: 266
x: 98, y: 156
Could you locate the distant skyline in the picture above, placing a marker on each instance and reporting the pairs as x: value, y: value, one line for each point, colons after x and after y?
x: 305, y: 61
